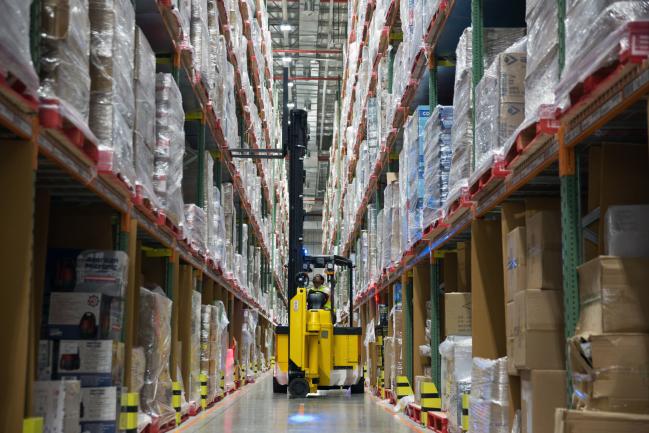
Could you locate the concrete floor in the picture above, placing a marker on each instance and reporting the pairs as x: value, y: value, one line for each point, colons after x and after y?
x: 255, y: 409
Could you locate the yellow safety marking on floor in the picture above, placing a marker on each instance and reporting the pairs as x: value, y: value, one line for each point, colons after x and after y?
x: 33, y: 425
x: 403, y: 387
x: 465, y: 411
x: 203, y: 379
x: 430, y: 400
x: 176, y: 392
x: 230, y: 400
x: 128, y: 415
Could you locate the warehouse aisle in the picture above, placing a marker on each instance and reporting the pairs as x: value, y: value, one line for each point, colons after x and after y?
x: 259, y: 410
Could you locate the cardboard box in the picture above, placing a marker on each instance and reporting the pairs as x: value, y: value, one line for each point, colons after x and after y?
x: 511, y: 115
x: 612, y: 372
x: 84, y: 316
x: 58, y: 403
x: 537, y: 310
x: 102, y: 272
x: 510, y: 317
x: 578, y: 421
x: 613, y: 295
x: 516, y: 262
x: 626, y: 232
x: 463, y: 266
x: 512, y: 77
x: 45, y: 361
x: 511, y: 365
x: 542, y: 392
x: 544, y: 263
x: 457, y: 313
x: 100, y: 410
x: 450, y: 272
x: 93, y: 362
x: 539, y: 350
x: 388, y: 357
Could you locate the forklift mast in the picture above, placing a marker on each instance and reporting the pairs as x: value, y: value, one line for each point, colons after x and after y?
x: 296, y: 149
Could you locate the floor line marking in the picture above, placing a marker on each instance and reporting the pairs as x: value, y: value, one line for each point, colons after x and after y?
x: 234, y: 397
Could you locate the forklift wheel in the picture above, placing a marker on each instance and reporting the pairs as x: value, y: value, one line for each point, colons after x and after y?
x: 277, y: 388
x: 359, y: 388
x: 298, y: 388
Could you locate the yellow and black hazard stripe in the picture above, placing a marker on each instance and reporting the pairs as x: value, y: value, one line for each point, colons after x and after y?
x: 403, y: 387
x: 203, y: 379
x: 465, y: 412
x: 430, y: 400
x: 222, y: 381
x: 176, y: 392
x: 128, y: 415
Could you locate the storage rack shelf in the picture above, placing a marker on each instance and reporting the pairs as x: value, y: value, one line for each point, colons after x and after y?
x: 550, y: 158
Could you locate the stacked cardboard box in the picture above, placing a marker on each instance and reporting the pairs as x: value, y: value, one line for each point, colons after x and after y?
x: 457, y: 313
x: 58, y: 403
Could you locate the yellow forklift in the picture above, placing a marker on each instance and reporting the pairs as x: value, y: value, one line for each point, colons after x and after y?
x: 312, y: 352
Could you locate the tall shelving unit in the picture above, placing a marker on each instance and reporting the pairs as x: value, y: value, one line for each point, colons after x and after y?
x: 555, y: 158
x: 57, y: 197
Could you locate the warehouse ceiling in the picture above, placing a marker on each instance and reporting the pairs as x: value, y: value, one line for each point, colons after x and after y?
x: 308, y: 37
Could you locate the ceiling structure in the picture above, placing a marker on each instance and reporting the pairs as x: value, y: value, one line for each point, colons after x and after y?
x: 309, y: 37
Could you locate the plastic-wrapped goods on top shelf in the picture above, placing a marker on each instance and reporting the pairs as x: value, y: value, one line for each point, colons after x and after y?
x: 154, y: 336
x: 542, y: 57
x: 170, y: 147
x: 105, y: 272
x: 462, y: 131
x: 593, y: 37
x: 457, y: 361
x: 195, y: 227
x: 15, y: 49
x: 65, y: 58
x: 144, y: 130
x: 437, y: 162
x: 112, y: 103
x: 489, y: 400
x: 200, y: 42
x: 500, y: 105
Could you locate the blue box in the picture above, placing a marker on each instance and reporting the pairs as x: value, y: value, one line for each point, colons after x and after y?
x: 100, y: 410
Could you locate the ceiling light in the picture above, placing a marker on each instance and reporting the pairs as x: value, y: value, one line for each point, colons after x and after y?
x: 291, y: 84
x: 285, y: 27
x: 290, y: 105
x: 287, y: 60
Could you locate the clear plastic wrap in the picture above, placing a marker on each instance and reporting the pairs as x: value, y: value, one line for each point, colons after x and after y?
x: 154, y: 336
x: 199, y: 36
x: 112, y: 104
x: 500, y: 100
x: 170, y: 147
x: 194, y: 386
x: 144, y: 137
x: 370, y: 338
x: 489, y: 400
x: 221, y: 340
x: 542, y: 57
x: 102, y: 271
x: 209, y: 335
x: 456, y: 357
x: 15, y: 49
x: 437, y: 162
x: 195, y: 227
x: 65, y: 58
x: 247, y: 347
x: 594, y: 37
x: 626, y: 233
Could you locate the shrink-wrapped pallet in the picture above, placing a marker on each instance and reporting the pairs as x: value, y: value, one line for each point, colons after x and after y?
x: 489, y: 399
x: 15, y: 49
x: 112, y: 103
x: 170, y: 147
x: 437, y: 162
x: 193, y: 388
x: 65, y: 59
x: 154, y: 336
x: 144, y: 134
x: 195, y: 227
x: 455, y: 376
